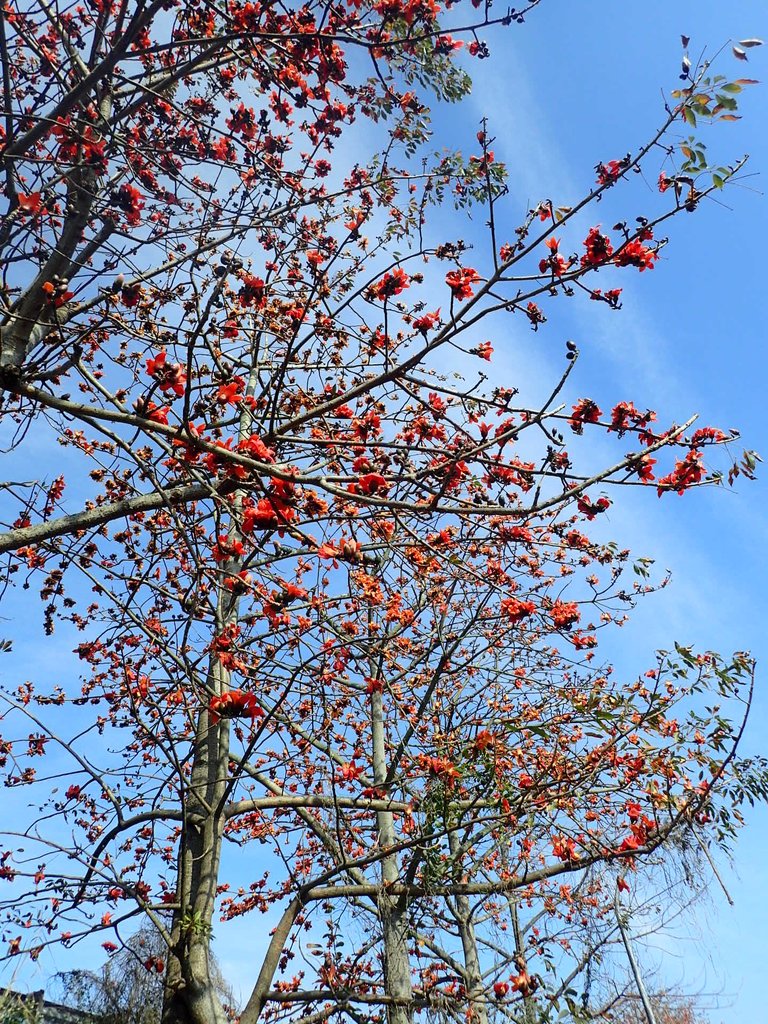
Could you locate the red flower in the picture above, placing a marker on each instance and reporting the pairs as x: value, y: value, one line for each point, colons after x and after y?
x: 30, y: 203
x: 609, y: 173
x: 358, y: 217
x: 224, y: 549
x: 611, y: 296
x: 564, y: 614
x: 131, y: 295
x: 240, y: 583
x: 441, y: 767
x: 523, y: 982
x: 484, y: 740
x: 409, y: 101
x: 591, y: 509
x: 156, y: 366
x: 535, y: 315
x: 371, y: 483
x: 645, y: 468
x: 500, y: 989
x: 170, y: 376
x: 234, y: 704
x: 633, y: 809
x: 252, y: 292
x: 585, y: 411
x: 427, y: 322
x: 254, y: 447
x: 598, y: 249
x: 484, y: 350
x: 556, y: 263
x: 269, y: 513
x: 708, y: 434
x: 56, y: 294
x: 131, y: 202
x: 686, y: 473
x: 516, y: 610
x: 460, y: 282
x: 232, y: 392
x: 156, y: 413
x: 630, y: 843
x: 564, y: 848
x: 390, y: 284
x: 447, y: 44
x: 635, y: 254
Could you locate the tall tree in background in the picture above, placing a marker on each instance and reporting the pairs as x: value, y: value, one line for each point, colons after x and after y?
x: 332, y: 605
x: 128, y: 988
x: 668, y: 1008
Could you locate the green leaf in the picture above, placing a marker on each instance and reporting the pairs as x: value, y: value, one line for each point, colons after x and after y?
x: 717, y: 181
x: 689, y: 116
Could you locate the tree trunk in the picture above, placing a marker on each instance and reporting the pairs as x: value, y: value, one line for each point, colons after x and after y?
x: 190, y: 993
x: 392, y: 910
x: 473, y: 974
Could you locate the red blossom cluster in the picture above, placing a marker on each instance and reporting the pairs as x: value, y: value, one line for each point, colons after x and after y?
x: 234, y: 704
x: 635, y: 254
x: 131, y: 202
x: 564, y: 614
x: 555, y: 263
x: 516, y: 610
x: 460, y: 282
x: 390, y: 284
x: 687, y: 473
x: 252, y: 291
x: 591, y: 509
x: 171, y: 377
x: 609, y: 173
x: 426, y: 322
x: 599, y: 249
x: 611, y: 296
x: 585, y: 411
x: 564, y: 848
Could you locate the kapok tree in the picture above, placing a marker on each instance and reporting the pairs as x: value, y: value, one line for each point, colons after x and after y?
x: 329, y: 604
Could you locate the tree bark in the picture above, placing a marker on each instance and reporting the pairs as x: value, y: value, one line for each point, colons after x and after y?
x: 472, y: 971
x: 392, y: 909
x: 190, y: 993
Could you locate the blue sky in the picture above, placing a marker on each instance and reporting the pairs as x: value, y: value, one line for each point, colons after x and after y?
x: 579, y: 83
